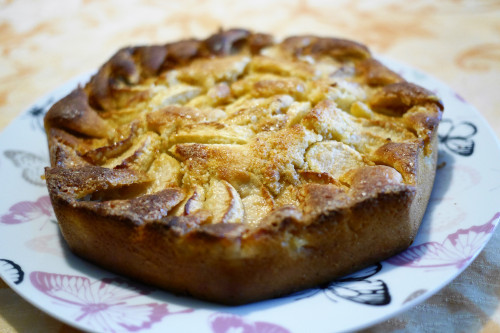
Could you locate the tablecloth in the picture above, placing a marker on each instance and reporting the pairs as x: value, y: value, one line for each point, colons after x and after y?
x: 43, y: 43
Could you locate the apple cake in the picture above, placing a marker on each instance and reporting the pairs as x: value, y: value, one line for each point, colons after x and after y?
x: 238, y: 168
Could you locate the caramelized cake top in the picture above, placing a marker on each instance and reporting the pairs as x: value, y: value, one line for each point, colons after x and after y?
x: 235, y: 127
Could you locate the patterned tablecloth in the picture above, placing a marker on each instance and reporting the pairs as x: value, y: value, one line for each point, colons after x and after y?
x: 46, y: 42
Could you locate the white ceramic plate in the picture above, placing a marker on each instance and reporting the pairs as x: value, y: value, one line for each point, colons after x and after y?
x: 35, y: 262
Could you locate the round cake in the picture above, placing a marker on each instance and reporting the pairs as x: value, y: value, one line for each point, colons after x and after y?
x: 239, y: 168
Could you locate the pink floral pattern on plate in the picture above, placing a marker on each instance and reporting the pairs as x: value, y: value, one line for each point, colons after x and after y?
x: 26, y: 211
x: 457, y: 250
x: 106, y: 305
x: 228, y: 323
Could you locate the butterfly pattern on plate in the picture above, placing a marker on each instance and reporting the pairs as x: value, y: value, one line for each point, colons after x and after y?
x: 106, y: 305
x: 457, y: 249
x: 457, y: 138
x: 11, y: 271
x: 37, y: 113
x: 228, y: 323
x: 47, y: 244
x: 26, y: 211
x: 357, y: 287
x: 31, y: 165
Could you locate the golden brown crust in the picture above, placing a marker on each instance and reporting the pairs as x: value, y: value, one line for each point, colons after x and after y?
x: 237, y: 168
x: 375, y: 73
x: 397, y: 98
x: 340, y: 49
x: 74, y: 113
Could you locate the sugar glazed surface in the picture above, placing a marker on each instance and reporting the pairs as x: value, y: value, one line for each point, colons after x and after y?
x: 237, y: 168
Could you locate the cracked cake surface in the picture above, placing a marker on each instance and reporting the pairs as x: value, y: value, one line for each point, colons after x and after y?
x: 238, y: 168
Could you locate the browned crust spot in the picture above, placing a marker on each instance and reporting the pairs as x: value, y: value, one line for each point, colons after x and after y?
x: 397, y: 98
